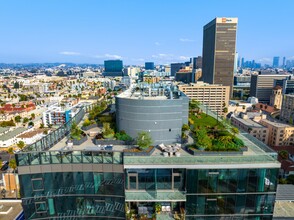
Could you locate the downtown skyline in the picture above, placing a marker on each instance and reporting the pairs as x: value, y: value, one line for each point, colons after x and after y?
x: 137, y: 31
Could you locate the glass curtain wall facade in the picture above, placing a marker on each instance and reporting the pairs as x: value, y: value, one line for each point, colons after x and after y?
x: 209, y: 193
x: 94, y: 190
x: 244, y: 193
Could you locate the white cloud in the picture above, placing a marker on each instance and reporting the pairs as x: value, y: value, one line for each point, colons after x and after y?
x: 184, y: 58
x: 70, y: 53
x: 169, y: 57
x: 110, y: 56
x: 157, y: 43
x: 186, y: 40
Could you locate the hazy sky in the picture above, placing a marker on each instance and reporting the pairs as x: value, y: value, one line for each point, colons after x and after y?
x: 163, y: 31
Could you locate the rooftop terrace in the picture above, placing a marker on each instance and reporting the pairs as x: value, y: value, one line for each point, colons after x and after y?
x: 151, y: 92
x: 52, y: 150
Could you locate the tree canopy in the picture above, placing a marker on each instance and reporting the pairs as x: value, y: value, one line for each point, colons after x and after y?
x: 144, y: 140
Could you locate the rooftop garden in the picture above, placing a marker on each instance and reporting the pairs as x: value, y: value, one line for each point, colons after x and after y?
x: 210, y: 134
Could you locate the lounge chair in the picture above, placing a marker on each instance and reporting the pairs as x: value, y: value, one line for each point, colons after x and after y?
x: 162, y: 147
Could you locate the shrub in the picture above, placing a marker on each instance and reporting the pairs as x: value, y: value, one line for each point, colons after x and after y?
x: 123, y: 136
x: 185, y: 127
x: 107, y: 130
x: 87, y: 122
x: 144, y: 140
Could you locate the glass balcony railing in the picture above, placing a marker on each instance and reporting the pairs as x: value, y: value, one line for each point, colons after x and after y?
x: 31, y: 154
x: 68, y: 157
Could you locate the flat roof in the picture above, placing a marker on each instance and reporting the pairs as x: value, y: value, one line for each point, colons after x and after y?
x: 250, y: 122
x: 12, y: 134
x: 10, y: 209
x: 4, y: 129
x: 285, y: 192
x: 277, y: 123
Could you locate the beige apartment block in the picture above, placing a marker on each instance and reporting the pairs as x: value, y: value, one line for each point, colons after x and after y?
x: 216, y: 97
x: 287, y: 110
x: 249, y: 123
x: 280, y: 134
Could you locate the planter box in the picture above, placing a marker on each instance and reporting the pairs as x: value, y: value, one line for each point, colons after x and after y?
x: 244, y: 148
x: 141, y: 153
x: 107, y: 142
x: 86, y: 128
x: 79, y: 142
x: 213, y: 153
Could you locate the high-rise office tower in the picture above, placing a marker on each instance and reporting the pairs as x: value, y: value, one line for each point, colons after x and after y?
x: 284, y: 62
x: 242, y: 62
x: 113, y: 68
x: 276, y: 61
x: 219, y: 48
x: 149, y: 65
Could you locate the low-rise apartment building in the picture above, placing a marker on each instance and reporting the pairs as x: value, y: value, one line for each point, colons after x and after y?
x: 249, y: 123
x: 216, y: 97
x: 55, y: 115
x: 280, y: 134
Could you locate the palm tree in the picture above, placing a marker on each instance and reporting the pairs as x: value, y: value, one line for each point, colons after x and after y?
x: 20, y: 145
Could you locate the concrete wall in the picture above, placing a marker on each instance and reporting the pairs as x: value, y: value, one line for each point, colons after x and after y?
x: 162, y: 118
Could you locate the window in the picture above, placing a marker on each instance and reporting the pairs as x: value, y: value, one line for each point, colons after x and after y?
x: 41, y: 207
x: 37, y: 184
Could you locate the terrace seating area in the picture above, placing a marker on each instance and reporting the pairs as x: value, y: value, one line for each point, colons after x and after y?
x: 105, y: 147
x: 170, y: 150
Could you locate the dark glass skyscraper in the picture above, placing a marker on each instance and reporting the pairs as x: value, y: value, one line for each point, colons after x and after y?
x: 113, y: 68
x: 219, y: 49
x: 149, y: 65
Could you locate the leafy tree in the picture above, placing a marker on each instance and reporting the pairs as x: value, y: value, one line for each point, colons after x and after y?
x: 235, y: 131
x: 41, y: 125
x: 144, y: 140
x: 107, y: 130
x: 17, y: 118
x: 31, y: 123
x: 33, y: 115
x: 87, y: 122
x: 20, y: 145
x: 283, y: 154
x: 75, y: 132
x: 22, y: 97
x: 25, y: 120
x: 225, y: 110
